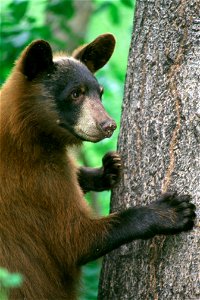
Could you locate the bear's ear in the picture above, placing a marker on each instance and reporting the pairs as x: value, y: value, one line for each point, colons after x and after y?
x: 36, y: 59
x: 96, y: 54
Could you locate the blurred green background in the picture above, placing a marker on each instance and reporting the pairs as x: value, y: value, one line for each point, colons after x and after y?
x: 66, y: 24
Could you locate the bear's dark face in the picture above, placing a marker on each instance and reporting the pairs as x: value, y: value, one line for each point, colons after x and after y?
x: 69, y: 81
x: 78, y: 94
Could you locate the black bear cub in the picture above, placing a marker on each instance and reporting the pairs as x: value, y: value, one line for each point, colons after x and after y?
x: 47, y: 231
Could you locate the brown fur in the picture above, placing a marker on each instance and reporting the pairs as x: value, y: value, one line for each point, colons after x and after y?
x: 45, y: 224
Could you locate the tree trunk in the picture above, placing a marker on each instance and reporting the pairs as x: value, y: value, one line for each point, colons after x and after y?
x: 159, y: 145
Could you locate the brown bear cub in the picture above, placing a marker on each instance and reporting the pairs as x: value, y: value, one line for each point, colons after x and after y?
x: 47, y: 230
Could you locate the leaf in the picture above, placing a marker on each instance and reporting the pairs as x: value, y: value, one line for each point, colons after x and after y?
x: 18, y: 9
x: 64, y: 7
x: 128, y: 3
x: 114, y: 13
x: 10, y: 279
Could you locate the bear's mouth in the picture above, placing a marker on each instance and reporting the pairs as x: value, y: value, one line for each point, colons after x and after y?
x: 89, y: 137
x: 85, y: 136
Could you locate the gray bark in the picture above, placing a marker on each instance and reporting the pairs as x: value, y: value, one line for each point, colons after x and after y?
x: 159, y: 143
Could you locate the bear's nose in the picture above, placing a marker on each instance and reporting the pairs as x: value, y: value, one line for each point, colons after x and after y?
x: 108, y: 126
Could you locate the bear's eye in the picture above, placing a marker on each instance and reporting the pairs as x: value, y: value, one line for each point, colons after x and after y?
x: 76, y: 94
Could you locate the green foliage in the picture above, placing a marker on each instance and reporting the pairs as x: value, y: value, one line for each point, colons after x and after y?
x: 128, y: 3
x: 18, y: 9
x: 89, y: 284
x: 7, y: 281
x: 25, y: 20
x: 60, y: 8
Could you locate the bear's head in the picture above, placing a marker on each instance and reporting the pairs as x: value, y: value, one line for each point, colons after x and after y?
x: 71, y: 86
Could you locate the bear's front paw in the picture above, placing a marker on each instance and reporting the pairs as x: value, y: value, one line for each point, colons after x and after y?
x: 112, y: 167
x: 175, y: 213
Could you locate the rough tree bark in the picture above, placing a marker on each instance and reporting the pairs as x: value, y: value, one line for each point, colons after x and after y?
x: 159, y: 144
